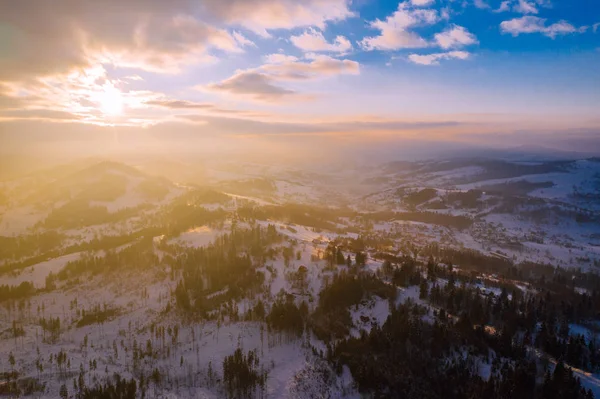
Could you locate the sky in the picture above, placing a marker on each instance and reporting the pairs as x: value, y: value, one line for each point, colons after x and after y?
x: 304, y: 72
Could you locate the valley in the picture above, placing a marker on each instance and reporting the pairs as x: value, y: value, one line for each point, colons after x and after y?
x: 265, y: 281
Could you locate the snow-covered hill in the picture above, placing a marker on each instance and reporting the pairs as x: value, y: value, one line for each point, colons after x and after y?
x: 162, y: 281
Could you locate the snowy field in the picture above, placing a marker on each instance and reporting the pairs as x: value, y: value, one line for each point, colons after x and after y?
x: 192, y: 359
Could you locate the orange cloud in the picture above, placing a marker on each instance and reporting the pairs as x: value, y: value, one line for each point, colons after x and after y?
x: 263, y: 15
x: 46, y: 38
x: 262, y: 83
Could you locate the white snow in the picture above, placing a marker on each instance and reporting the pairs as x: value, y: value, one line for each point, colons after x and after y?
x: 256, y: 200
x: 373, y: 312
x: 16, y: 221
x: 37, y: 273
x: 197, y: 237
x: 298, y: 232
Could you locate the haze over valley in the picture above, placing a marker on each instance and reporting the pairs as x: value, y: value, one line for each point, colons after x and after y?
x: 299, y: 199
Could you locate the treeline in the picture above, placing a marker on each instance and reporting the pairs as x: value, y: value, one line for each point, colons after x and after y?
x: 13, y: 248
x: 286, y: 316
x: 503, y: 316
x: 521, y: 187
x: 154, y: 188
x: 562, y: 284
x: 415, y: 198
x: 139, y: 255
x: 331, y: 319
x: 441, y: 219
x: 249, y: 186
x: 305, y: 215
x: 518, y: 319
x: 242, y: 374
x: 181, y: 216
x: 79, y: 213
x: 410, y: 358
x: 95, y: 244
x: 226, y: 264
x: 98, y: 314
x: 327, y: 219
x: 16, y: 292
x: 575, y: 350
x: 201, y: 196
x: 95, y: 183
x: 496, y: 169
x: 243, y: 377
x: 115, y: 388
x: 335, y: 256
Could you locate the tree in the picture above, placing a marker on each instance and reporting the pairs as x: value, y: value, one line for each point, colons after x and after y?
x: 181, y: 296
x: 241, y: 374
x: 300, y: 278
x: 387, y: 268
x: 339, y: 257
x: 423, y: 289
x: 431, y: 269
x: 11, y: 360
x: 64, y: 394
x: 360, y: 259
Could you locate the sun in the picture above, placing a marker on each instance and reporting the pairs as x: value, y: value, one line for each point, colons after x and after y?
x: 111, y: 101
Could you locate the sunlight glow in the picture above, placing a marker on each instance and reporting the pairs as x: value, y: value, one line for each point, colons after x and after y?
x: 111, y: 101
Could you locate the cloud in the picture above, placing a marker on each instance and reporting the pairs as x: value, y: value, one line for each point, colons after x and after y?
x: 256, y: 85
x: 595, y: 27
x: 504, y: 6
x: 279, y: 58
x: 81, y: 93
x: 12, y: 101
x: 313, y: 40
x: 522, y: 6
x: 205, y: 108
x: 394, y: 33
x: 394, y: 40
x: 455, y: 37
x: 60, y: 51
x: 205, y: 133
x: 445, y: 13
x: 261, y: 16
x: 434, y: 59
x: 48, y: 38
x: 526, y: 7
x: 262, y: 83
x: 165, y: 46
x: 319, y: 66
x: 422, y: 3
x: 134, y: 78
x: 481, y: 4
x: 45, y: 38
x: 38, y: 114
x: 243, y: 40
x: 531, y: 24
x: 179, y: 104
x: 310, y: 126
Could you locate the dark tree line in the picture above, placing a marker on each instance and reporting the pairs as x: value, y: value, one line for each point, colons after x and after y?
x: 27, y: 245
x: 331, y: 319
x: 117, y: 388
x: 410, y: 358
x: 16, y: 292
x: 286, y: 316
x: 519, y: 320
x: 242, y: 375
x: 226, y: 264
